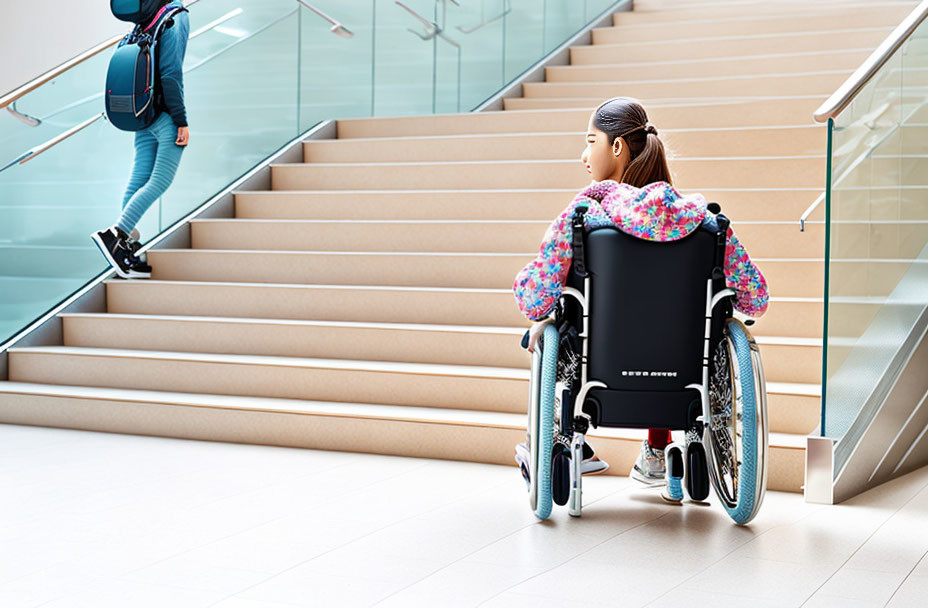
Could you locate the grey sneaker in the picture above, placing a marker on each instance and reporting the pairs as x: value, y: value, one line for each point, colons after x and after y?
x: 650, y: 467
x: 591, y: 464
x: 134, y: 243
x: 522, y: 459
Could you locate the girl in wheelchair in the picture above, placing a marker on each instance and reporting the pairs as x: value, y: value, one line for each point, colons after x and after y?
x: 631, y: 189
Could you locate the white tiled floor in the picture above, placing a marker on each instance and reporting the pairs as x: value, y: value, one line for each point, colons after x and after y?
x: 96, y: 519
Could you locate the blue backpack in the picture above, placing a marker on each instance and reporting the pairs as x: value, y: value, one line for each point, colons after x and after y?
x: 130, y: 79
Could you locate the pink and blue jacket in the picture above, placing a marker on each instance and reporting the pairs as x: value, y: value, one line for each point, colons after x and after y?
x: 656, y: 212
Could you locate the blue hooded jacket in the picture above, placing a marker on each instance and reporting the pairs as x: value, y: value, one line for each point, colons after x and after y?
x: 169, y: 79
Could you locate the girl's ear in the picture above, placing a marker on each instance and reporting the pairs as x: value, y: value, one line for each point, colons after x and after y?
x: 617, y: 146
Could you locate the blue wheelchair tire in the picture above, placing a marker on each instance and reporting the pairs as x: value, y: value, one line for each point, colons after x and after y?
x: 545, y: 417
x: 744, y: 511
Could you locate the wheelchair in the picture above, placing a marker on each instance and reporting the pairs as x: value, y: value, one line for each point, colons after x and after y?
x: 643, y: 336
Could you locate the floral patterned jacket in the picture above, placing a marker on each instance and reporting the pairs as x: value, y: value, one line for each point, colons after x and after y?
x: 656, y: 212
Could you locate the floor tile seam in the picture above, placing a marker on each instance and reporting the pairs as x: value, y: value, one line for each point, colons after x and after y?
x: 264, y: 523
x: 38, y: 518
x: 905, y: 578
x: 737, y: 547
x: 870, y: 536
x: 372, y: 532
x: 644, y: 523
x: 464, y: 557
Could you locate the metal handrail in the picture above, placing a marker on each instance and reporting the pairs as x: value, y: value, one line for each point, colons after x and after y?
x: 39, y: 149
x: 433, y: 28
x: 855, y: 83
x: 34, y: 122
x: 33, y: 152
x: 507, y: 8
x: 9, y: 101
x: 337, y: 27
x: 53, y: 73
x: 859, y: 79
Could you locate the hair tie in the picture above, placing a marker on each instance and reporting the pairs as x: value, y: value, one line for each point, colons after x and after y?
x: 647, y: 127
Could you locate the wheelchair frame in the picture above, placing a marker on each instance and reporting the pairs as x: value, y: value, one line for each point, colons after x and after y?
x: 581, y: 421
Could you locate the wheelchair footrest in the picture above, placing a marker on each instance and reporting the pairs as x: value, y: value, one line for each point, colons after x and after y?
x: 675, y: 410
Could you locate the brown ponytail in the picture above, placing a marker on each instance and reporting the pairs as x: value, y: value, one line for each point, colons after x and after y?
x: 624, y: 117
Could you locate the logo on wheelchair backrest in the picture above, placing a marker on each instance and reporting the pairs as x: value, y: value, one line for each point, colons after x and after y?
x: 648, y: 374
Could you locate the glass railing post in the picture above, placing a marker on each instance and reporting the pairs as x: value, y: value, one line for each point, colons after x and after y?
x: 828, y: 186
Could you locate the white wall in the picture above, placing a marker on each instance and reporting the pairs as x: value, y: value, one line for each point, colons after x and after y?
x: 37, y: 35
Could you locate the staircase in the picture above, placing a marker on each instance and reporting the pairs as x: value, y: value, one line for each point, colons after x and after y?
x: 364, y: 303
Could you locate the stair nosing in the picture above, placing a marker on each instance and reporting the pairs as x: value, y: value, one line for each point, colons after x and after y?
x: 431, y: 369
x: 425, y: 191
x: 531, y: 161
x: 531, y: 254
x: 392, y: 413
x: 513, y: 330
x: 715, y: 59
x: 765, y: 75
x: 881, y: 28
x: 390, y: 367
x: 307, y: 285
x: 530, y: 134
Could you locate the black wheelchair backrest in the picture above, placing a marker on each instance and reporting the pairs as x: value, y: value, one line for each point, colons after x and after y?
x: 647, y: 308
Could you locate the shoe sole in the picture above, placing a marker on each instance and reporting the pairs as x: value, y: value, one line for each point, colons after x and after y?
x: 650, y: 483
x: 109, y: 257
x: 596, y: 472
x: 130, y: 274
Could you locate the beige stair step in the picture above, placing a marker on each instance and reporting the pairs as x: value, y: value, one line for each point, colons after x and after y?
x: 731, y: 113
x: 505, y: 204
x: 696, y: 142
x: 786, y: 276
x: 368, y: 304
x: 861, y: 278
x: 423, y: 432
x: 791, y: 359
x: 735, y: 112
x: 729, y: 46
x: 785, y: 316
x: 744, y: 25
x: 762, y: 239
x: 646, y: 13
x: 879, y: 239
x: 689, y: 173
x: 759, y: 85
x: 786, y: 359
x: 765, y: 63
x: 794, y: 407
x: 370, y: 341
x: 498, y: 389
x: 363, y: 303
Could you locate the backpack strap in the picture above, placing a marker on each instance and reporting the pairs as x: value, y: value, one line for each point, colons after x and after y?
x: 579, y: 236
x: 156, y: 18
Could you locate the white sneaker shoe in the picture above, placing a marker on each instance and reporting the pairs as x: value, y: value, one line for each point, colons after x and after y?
x: 650, y: 468
x: 673, y: 461
x: 522, y: 459
x: 591, y: 466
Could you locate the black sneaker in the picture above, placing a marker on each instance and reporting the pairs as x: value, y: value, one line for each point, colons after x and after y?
x: 133, y: 242
x: 112, y: 243
x: 139, y: 269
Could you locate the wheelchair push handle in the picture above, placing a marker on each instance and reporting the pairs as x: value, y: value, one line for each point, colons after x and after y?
x: 577, y: 244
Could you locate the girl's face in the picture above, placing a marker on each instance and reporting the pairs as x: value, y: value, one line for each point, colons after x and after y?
x: 604, y: 159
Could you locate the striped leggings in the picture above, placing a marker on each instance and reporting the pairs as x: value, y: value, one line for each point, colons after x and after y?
x: 156, y: 160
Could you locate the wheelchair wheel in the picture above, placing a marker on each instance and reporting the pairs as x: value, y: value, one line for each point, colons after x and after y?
x: 697, y: 478
x: 560, y: 474
x: 736, y: 429
x: 541, y: 421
